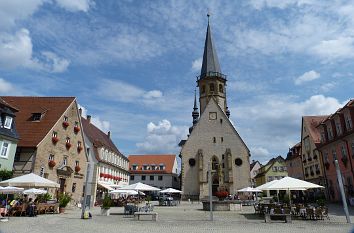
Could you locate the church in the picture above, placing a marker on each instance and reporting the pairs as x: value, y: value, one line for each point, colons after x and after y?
x: 213, y: 140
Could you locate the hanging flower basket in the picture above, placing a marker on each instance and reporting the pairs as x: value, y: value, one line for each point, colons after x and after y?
x: 77, y: 169
x: 76, y: 129
x: 79, y: 149
x: 68, y: 145
x: 51, y: 163
x: 55, y: 140
x: 65, y: 124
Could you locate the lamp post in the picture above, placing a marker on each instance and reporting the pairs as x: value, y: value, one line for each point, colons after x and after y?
x: 210, y: 193
x: 83, y: 207
x: 340, y: 182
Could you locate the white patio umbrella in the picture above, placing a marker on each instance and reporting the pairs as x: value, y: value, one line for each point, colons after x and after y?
x: 266, y: 185
x: 171, y: 190
x: 128, y: 192
x: 250, y: 190
x: 290, y: 183
x: 34, y: 191
x: 30, y: 181
x: 9, y: 190
x: 139, y: 187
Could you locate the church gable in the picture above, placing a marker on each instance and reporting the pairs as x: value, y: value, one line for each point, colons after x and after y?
x: 215, y: 125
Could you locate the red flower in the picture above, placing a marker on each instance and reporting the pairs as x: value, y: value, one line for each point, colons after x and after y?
x: 65, y: 124
x: 76, y: 129
x: 221, y: 194
x: 68, y: 145
x: 79, y: 149
x: 55, y: 140
x: 77, y: 169
x: 101, y: 174
x: 51, y: 163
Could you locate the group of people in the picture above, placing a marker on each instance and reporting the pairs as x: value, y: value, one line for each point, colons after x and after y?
x: 13, y: 203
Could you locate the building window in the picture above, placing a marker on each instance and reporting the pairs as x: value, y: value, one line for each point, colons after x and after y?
x: 214, y: 139
x: 76, y: 124
x: 330, y: 133
x: 203, y: 89
x: 274, y: 169
x: 66, y: 119
x: 73, y: 189
x: 36, y: 116
x: 67, y: 140
x: 352, y: 149
x: 151, y: 177
x: 51, y: 157
x: 334, y: 153
x: 214, y: 163
x: 77, y: 163
x: 145, y: 167
x: 222, y: 139
x: 307, y: 144
x: 8, y: 122
x: 162, y: 167
x: 160, y: 177
x: 4, y: 152
x: 348, y: 122
x: 65, y: 161
x: 153, y: 167
x: 344, y: 152
x: 131, y: 177
x: 54, y: 134
x: 41, y: 172
x: 338, y: 128
x: 211, y: 87
x: 135, y: 167
x: 175, y: 179
x: 221, y: 89
x: 143, y: 177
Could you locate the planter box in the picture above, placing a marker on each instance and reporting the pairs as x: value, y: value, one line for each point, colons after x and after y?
x: 105, y: 212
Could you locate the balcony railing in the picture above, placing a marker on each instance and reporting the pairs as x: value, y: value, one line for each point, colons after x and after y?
x: 212, y: 74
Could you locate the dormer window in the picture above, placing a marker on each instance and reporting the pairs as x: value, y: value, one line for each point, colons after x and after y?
x: 36, y: 116
x: 134, y: 167
x: 162, y: 166
x: 8, y: 122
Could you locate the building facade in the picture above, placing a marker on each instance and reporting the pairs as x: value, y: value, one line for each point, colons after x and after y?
x: 337, y: 143
x: 8, y: 135
x: 213, y: 141
x: 254, y: 170
x: 311, y: 159
x: 108, y: 166
x: 275, y: 169
x: 51, y: 143
x: 294, y: 162
x: 160, y: 171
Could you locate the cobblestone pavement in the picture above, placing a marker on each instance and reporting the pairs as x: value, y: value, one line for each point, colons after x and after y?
x: 183, y: 218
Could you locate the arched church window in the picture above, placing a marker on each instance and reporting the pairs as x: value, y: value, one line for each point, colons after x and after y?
x: 238, y: 162
x: 214, y: 163
x: 221, y: 89
x: 203, y: 89
x: 211, y: 87
x: 192, y: 162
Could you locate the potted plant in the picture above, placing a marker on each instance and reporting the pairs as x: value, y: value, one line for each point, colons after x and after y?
x: 64, y: 200
x: 68, y: 145
x: 106, y: 205
x: 65, y: 124
x: 76, y: 129
x: 51, y: 163
x: 77, y: 169
x: 222, y: 195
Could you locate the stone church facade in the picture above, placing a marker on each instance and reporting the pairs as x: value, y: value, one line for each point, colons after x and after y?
x: 213, y: 140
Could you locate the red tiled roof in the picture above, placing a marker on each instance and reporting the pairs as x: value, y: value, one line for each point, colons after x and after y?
x: 312, y: 122
x: 167, y: 160
x: 32, y: 132
x: 98, y: 138
x: 3, y: 102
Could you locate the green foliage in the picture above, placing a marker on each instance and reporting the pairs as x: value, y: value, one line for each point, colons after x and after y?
x: 5, y: 174
x: 321, y: 202
x: 64, y: 200
x: 43, y: 198
x: 286, y: 199
x: 148, y: 198
x: 107, y: 202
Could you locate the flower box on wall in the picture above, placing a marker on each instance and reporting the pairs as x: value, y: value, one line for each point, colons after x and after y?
x: 68, y: 145
x: 55, y: 140
x: 51, y: 163
x: 77, y: 169
x: 76, y: 129
x: 65, y: 124
x: 79, y: 149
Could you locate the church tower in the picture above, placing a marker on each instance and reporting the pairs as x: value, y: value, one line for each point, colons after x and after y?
x: 211, y: 82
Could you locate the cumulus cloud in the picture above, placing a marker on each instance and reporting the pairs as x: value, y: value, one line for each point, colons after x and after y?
x: 339, y: 48
x: 77, y: 5
x: 103, y: 125
x: 259, y: 152
x: 162, y: 137
x: 307, y: 77
x: 327, y: 86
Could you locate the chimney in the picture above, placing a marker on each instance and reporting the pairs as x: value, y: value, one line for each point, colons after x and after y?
x: 89, y: 118
x: 80, y: 111
x: 109, y: 134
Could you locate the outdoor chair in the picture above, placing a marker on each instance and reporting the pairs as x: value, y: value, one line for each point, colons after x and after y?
x: 310, y: 213
x: 319, y: 213
x: 325, y: 212
x: 257, y: 209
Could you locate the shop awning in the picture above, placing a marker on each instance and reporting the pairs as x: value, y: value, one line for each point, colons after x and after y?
x: 105, y: 186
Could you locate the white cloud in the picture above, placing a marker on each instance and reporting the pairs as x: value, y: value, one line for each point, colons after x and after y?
x: 307, y: 77
x: 76, y: 5
x: 103, y: 125
x: 282, y: 4
x: 339, y: 48
x: 53, y: 63
x: 13, y: 10
x: 162, y: 138
x: 6, y: 88
x: 121, y: 91
x: 327, y: 86
x: 197, y: 64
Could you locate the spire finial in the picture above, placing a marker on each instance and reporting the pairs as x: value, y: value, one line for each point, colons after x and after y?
x: 208, y: 15
x: 195, y: 113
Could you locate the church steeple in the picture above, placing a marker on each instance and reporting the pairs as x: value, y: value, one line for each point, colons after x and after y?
x: 195, y: 113
x: 210, y: 58
x: 211, y: 82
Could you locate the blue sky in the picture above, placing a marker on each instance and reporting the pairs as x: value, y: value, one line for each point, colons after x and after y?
x: 133, y: 64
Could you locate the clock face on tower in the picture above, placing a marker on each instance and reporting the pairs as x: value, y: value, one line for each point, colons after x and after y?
x: 212, y: 116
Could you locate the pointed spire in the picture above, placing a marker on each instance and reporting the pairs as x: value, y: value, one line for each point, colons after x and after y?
x: 195, y: 113
x: 210, y: 58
